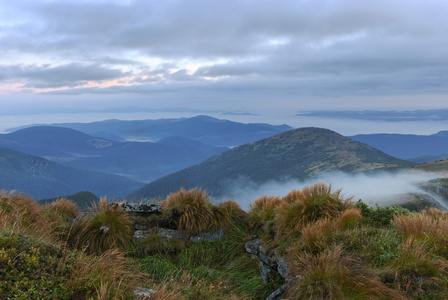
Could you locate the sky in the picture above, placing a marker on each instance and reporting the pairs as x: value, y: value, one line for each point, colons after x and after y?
x: 236, y: 56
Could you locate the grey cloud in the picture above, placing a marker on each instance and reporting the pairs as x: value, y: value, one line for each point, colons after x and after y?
x: 318, y: 47
x: 69, y: 75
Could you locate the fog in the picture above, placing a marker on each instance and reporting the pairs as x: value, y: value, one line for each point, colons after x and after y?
x: 380, y: 188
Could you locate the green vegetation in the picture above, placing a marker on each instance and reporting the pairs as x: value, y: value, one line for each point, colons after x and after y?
x: 334, y: 248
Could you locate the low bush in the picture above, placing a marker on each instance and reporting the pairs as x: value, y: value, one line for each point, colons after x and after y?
x: 262, y: 213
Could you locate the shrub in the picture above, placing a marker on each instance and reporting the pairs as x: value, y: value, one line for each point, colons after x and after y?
x: 309, y: 205
x: 379, y: 216
x: 262, y: 212
x: 331, y: 275
x: 105, y: 227
x: 192, y: 212
x: 313, y: 234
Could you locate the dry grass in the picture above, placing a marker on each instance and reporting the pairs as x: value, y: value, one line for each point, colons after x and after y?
x: 309, y: 205
x: 313, y: 234
x: 192, y: 212
x: 232, y: 209
x: 110, y: 274
x: 262, y: 212
x: 19, y: 213
x: 60, y: 215
x: 105, y: 227
x: 332, y: 275
x: 417, y: 268
x: 350, y: 218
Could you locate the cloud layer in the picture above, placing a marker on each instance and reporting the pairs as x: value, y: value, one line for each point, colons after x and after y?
x: 257, y: 50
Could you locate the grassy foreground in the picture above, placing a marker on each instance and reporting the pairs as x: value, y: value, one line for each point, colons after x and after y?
x: 335, y: 249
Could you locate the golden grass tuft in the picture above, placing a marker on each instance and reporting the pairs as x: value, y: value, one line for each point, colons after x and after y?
x: 418, y: 269
x: 192, y: 212
x: 232, y: 209
x: 350, y: 218
x: 313, y: 234
x: 332, y: 275
x: 312, y: 203
x: 19, y: 213
x: 262, y: 212
x: 60, y: 215
x: 111, y: 274
x: 105, y: 227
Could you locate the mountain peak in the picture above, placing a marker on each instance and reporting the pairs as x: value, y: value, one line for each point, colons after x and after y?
x: 294, y: 154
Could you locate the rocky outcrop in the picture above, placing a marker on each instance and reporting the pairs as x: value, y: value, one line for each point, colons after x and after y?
x: 145, y: 218
x: 271, y: 265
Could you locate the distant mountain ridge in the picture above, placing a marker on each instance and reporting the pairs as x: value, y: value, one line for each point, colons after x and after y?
x: 142, y: 161
x: 294, y: 154
x: 40, y: 178
x: 205, y: 129
x: 418, y: 148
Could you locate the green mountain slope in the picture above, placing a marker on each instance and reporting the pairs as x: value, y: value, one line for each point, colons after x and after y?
x: 40, y: 178
x: 299, y: 153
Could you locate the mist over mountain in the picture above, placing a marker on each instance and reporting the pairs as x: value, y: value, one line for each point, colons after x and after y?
x: 294, y: 154
x: 40, y: 178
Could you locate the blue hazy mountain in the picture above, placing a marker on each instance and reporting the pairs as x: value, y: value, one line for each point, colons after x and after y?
x: 40, y: 178
x: 142, y: 161
x: 418, y: 148
x: 204, y: 129
x: 295, y: 154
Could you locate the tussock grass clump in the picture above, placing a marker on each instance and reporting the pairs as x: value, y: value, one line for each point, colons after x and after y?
x: 105, y: 227
x: 429, y: 226
x: 313, y: 234
x: 232, y: 209
x: 262, y: 212
x: 19, y: 213
x: 350, y: 218
x: 192, y: 212
x: 418, y: 270
x: 309, y: 205
x: 60, y: 215
x: 332, y: 275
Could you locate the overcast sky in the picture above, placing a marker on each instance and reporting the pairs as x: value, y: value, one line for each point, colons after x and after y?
x: 232, y: 55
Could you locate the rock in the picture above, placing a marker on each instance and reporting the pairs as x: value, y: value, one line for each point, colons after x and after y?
x: 140, y: 292
x: 141, y: 208
x: 265, y: 272
x: 277, y: 294
x: 142, y: 234
x: 171, y: 234
x: 208, y: 236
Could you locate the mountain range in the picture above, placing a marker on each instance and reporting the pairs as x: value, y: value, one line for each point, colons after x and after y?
x: 294, y: 154
x: 417, y: 148
x: 40, y: 178
x: 204, y: 129
x: 141, y: 161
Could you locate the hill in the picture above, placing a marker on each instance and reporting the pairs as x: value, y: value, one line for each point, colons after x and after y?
x: 422, y: 148
x: 436, y: 166
x: 141, y: 161
x: 205, y: 129
x: 83, y: 200
x: 294, y: 154
x: 40, y: 178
